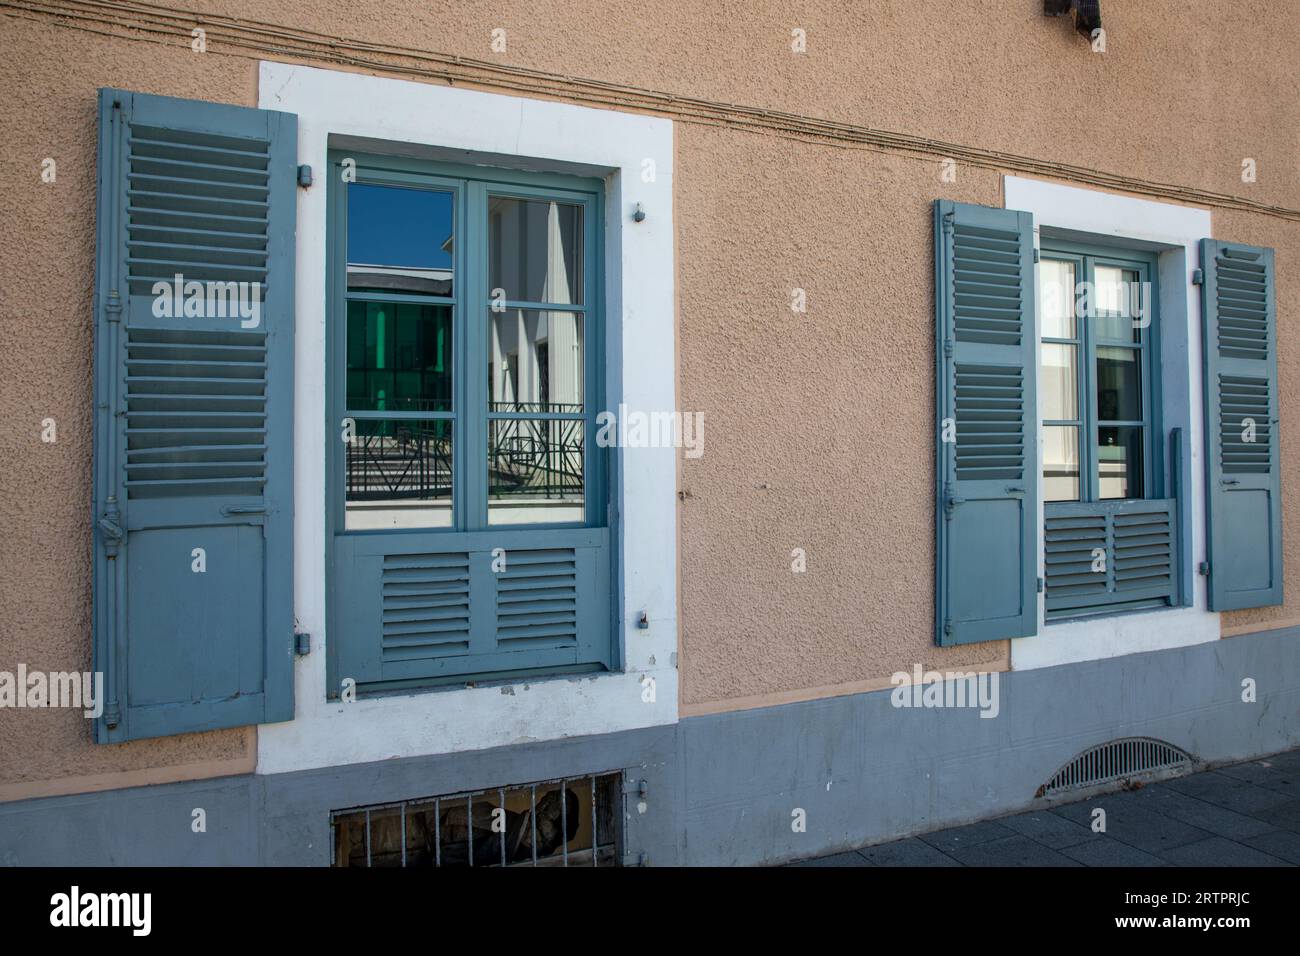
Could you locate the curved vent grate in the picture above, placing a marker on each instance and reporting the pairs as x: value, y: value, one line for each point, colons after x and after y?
x: 1116, y: 760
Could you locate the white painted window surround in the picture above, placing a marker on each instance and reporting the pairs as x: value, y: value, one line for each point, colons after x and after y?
x: 1173, y: 232
x: 336, y: 108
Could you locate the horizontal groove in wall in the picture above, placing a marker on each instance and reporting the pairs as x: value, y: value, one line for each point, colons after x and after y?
x: 133, y: 20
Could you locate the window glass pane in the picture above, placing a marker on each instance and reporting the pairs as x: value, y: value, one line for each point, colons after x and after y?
x: 398, y: 474
x: 1056, y: 298
x: 399, y: 357
x: 1118, y: 304
x: 535, y: 250
x: 1119, y: 384
x: 535, y: 361
x: 1119, y: 461
x: 399, y: 239
x: 1060, y: 382
x: 1060, y: 463
x: 535, y: 470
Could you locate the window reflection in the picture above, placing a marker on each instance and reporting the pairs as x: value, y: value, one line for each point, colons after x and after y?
x: 1119, y: 461
x: 535, y: 250
x: 535, y: 361
x: 399, y: 239
x: 398, y: 474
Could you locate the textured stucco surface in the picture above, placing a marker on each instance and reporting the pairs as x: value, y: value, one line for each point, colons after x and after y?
x: 819, y: 424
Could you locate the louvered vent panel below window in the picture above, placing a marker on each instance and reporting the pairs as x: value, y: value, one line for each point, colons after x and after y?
x: 1242, y: 300
x: 1143, y: 554
x: 986, y: 286
x: 1109, y: 555
x: 1245, y: 427
x: 1071, y: 543
x: 196, y: 206
x: 989, y: 421
x: 425, y: 606
x: 537, y: 600
x: 196, y: 413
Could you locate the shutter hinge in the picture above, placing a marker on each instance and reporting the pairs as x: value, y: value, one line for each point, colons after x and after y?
x: 1198, y: 277
x: 113, y: 307
x: 1203, y: 568
x: 947, y: 347
x: 643, y: 620
x: 1035, y: 255
x: 304, y: 175
x: 947, y: 626
x: 1040, y: 585
x: 301, y: 643
x: 638, y: 787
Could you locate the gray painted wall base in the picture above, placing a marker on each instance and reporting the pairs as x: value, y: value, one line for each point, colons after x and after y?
x: 721, y: 790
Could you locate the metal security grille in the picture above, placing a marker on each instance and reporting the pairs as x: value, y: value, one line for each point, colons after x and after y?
x: 568, y: 822
x: 1116, y: 760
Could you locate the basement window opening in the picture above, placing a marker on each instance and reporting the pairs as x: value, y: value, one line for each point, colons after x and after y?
x: 567, y: 822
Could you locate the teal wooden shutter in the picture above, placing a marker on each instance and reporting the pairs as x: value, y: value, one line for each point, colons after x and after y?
x: 987, y: 472
x: 193, y: 520
x: 1243, y: 467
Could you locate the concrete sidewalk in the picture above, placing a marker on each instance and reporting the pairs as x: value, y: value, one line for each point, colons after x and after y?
x: 1246, y: 814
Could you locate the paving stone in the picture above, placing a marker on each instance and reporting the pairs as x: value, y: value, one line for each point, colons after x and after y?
x: 910, y: 852
x: 1210, y: 817
x: 1244, y: 815
x: 1236, y: 795
x: 1014, y: 850
x: 1285, y: 816
x: 1282, y: 844
x: 1133, y: 824
x: 1047, y: 828
x: 1101, y: 850
x: 1216, y: 851
x: 1288, y: 760
x: 971, y: 835
x: 852, y: 858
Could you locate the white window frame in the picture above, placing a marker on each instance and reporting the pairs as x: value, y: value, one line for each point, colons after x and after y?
x: 1173, y: 232
x: 634, y: 155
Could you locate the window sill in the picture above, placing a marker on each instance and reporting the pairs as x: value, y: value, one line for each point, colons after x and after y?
x: 411, y: 688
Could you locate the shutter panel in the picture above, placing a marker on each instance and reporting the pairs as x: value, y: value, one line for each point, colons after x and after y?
x: 1243, y: 467
x: 987, y: 478
x: 432, y: 606
x: 193, y: 586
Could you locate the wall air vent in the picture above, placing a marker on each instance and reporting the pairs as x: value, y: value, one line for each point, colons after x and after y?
x: 1128, y: 757
x: 570, y: 822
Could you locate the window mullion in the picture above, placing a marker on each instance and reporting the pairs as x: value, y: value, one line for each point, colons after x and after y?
x: 473, y: 417
x: 1088, y: 434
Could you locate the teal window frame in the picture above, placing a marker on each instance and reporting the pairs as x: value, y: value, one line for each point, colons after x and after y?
x: 472, y: 186
x: 1085, y: 258
x: 1160, y: 488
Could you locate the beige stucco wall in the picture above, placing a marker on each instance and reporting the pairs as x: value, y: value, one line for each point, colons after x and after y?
x: 818, y: 425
